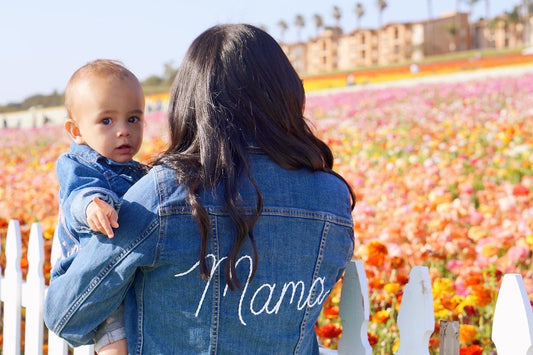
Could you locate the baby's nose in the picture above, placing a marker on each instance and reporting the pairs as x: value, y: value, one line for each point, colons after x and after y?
x: 123, y: 131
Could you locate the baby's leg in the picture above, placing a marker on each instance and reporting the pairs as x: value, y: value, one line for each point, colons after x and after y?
x: 110, y: 336
x: 119, y: 347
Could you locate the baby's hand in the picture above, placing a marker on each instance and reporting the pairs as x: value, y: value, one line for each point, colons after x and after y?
x: 102, y: 217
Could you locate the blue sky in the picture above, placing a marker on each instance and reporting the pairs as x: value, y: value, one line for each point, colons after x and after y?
x: 43, y: 42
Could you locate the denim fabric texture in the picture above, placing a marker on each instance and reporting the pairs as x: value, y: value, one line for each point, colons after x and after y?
x: 83, y: 174
x: 111, y: 330
x: 304, y: 239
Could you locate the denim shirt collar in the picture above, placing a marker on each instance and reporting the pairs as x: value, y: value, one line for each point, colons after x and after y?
x: 92, y: 156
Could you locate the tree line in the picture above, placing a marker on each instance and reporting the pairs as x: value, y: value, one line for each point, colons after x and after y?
x: 359, y: 10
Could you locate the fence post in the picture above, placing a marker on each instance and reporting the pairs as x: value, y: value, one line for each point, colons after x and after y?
x: 12, y: 290
x: 416, y: 320
x: 512, y: 327
x: 354, y: 311
x: 449, y: 338
x: 33, y: 293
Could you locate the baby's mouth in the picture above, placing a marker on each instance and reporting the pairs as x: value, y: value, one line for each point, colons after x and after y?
x: 124, y: 148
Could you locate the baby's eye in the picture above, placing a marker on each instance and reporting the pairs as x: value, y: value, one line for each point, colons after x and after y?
x: 133, y: 119
x: 106, y: 121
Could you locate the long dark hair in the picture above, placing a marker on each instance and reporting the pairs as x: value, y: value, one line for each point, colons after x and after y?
x: 234, y: 89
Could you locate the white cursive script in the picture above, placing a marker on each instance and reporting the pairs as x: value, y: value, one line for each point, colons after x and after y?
x: 296, y: 289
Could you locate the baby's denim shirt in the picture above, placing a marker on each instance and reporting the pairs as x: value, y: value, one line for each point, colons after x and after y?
x: 83, y: 174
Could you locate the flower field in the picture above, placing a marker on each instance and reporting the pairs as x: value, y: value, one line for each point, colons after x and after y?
x: 443, y: 175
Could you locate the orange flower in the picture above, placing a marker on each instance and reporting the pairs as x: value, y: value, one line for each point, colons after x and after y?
x: 381, y: 317
x: 433, y: 343
x: 467, y: 333
x: 331, y: 312
x: 449, y: 302
x: 376, y: 253
x: 481, y: 296
x: 471, y: 350
x: 396, y: 262
x: 473, y: 279
x: 376, y: 283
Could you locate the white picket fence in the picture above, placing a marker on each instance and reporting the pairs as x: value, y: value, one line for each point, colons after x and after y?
x: 512, y: 328
x: 16, y: 293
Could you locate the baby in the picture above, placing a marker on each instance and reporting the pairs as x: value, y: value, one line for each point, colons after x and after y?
x: 105, y: 108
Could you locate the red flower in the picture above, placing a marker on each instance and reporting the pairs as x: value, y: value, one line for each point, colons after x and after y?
x: 471, y: 350
x: 372, y: 338
x: 520, y: 190
x: 329, y: 330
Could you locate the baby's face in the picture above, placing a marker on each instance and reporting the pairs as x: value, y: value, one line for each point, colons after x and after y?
x: 109, y: 113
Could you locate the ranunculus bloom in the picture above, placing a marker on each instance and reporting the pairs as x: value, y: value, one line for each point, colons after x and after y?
x: 392, y: 287
x: 467, y: 333
x: 520, y: 190
x: 329, y: 330
x: 331, y: 312
x: 372, y: 338
x: 518, y: 253
x: 380, y: 317
x: 376, y: 253
x: 481, y: 295
x: 471, y: 350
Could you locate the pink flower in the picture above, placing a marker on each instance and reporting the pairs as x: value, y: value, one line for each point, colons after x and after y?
x: 518, y: 253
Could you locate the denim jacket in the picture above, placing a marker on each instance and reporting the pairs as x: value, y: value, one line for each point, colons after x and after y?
x: 304, y: 239
x: 83, y: 174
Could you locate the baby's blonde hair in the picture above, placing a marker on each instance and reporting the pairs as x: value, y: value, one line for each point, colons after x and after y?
x: 98, y: 67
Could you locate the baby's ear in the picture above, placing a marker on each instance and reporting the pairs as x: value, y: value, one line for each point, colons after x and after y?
x: 74, y: 131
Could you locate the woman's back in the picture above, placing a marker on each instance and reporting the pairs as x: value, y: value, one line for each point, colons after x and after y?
x: 304, y: 238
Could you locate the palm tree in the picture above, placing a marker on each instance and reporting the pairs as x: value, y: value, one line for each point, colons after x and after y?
x: 337, y: 15
x: 359, y: 12
x: 299, y: 22
x: 283, y: 28
x: 319, y: 22
x: 382, y: 4
x: 471, y: 3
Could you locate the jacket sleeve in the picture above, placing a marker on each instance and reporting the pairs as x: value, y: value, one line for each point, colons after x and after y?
x: 78, y: 184
x: 98, y: 279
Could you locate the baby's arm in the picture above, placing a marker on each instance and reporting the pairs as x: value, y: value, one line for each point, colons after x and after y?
x: 101, y: 217
x: 79, y: 185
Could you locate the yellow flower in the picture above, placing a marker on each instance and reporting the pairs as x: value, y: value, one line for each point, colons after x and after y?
x: 392, y: 287
x: 529, y: 240
x: 489, y: 250
x: 396, y: 345
x: 442, y: 286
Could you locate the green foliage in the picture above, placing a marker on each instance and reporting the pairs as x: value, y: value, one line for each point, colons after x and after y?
x: 54, y: 99
x: 152, y: 85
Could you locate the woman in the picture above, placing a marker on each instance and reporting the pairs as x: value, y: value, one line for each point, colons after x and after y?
x: 235, y: 238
